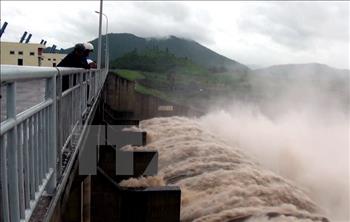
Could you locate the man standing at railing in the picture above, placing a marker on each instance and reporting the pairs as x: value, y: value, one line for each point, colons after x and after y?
x: 77, y: 59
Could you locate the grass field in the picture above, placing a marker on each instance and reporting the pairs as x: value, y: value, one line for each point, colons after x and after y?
x: 183, y: 88
x: 129, y: 74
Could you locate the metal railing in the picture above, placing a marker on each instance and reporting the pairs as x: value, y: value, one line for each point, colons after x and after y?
x: 32, y: 143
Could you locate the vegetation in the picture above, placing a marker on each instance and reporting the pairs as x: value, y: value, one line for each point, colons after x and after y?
x: 155, y: 60
x: 130, y: 74
x: 174, y: 68
x: 152, y: 92
x: 162, y: 74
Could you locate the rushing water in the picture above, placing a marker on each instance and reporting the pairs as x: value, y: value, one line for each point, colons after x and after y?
x: 219, y: 182
x: 28, y: 94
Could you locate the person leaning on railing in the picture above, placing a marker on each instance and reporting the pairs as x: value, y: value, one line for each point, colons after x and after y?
x: 88, y: 49
x: 76, y: 59
x: 92, y: 65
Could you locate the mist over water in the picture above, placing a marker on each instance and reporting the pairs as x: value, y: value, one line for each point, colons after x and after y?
x: 284, y: 152
x: 298, y: 128
x: 220, y: 182
x: 308, y: 149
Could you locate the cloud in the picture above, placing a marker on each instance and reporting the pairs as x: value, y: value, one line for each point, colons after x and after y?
x: 299, y: 25
x: 60, y: 23
x: 171, y: 10
x: 262, y: 33
x: 159, y: 19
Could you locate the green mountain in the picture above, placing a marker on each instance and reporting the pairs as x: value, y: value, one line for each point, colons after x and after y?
x: 121, y: 43
x: 159, y: 61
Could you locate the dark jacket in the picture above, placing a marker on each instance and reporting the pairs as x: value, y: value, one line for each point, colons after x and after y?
x: 73, y: 60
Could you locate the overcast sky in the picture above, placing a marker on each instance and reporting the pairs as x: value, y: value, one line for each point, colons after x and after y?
x: 260, y: 33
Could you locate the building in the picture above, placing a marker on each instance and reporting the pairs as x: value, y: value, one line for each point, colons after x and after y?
x: 23, y: 54
x: 51, y: 59
x: 27, y: 54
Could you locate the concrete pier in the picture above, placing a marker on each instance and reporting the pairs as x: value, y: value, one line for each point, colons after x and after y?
x: 142, y: 163
x: 105, y: 200
x: 151, y: 204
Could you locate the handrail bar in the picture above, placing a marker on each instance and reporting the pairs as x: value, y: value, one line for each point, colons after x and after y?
x: 15, y: 73
x: 67, y: 71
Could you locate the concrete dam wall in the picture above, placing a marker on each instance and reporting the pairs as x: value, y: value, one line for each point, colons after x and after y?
x: 121, y: 98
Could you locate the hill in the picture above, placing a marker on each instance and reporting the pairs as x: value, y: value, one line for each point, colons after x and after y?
x: 121, y: 43
x: 156, y: 60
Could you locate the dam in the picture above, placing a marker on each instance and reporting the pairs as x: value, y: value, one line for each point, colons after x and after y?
x: 100, y: 151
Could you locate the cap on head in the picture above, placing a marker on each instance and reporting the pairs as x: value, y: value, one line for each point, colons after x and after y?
x: 79, y: 47
x: 88, y: 46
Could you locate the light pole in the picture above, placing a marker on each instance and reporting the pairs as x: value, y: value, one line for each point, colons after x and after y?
x: 107, y: 49
x: 99, y: 37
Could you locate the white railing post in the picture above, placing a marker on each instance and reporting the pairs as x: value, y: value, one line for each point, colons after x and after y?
x: 51, y: 93
x: 4, y: 216
x: 12, y: 170
x: 90, y: 85
x: 82, y: 96
x: 59, y: 127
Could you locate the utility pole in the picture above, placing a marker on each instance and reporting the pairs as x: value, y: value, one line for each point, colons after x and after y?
x: 106, y: 38
x: 107, y: 46
x: 99, y: 37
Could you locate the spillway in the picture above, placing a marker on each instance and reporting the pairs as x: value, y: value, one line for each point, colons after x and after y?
x: 220, y: 182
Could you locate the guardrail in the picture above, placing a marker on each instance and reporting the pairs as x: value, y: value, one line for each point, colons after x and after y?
x: 32, y: 142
